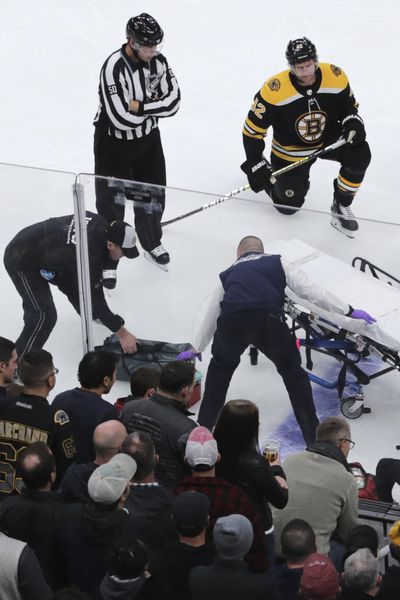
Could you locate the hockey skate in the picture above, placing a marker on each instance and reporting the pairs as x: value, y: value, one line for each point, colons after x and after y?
x: 158, y: 256
x: 343, y: 219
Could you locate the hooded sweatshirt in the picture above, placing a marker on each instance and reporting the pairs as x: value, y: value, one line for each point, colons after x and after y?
x: 113, y: 588
x: 86, y: 533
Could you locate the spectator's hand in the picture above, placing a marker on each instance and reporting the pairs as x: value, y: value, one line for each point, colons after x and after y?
x: 189, y: 355
x: 282, y: 482
x: 362, y: 314
x: 127, y: 340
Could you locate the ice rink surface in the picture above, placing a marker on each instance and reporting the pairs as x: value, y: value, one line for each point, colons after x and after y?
x: 221, y: 53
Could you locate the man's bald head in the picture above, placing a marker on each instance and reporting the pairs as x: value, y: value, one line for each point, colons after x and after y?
x: 250, y: 243
x: 107, y: 440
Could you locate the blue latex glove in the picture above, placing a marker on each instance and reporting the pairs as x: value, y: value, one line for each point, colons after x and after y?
x: 189, y: 355
x: 361, y: 314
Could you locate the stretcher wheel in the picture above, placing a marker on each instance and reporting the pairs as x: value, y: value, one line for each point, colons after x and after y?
x: 352, y: 407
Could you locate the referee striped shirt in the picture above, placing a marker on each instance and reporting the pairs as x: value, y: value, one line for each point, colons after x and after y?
x: 152, y: 84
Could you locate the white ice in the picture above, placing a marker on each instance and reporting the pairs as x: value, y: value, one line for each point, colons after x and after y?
x: 221, y: 52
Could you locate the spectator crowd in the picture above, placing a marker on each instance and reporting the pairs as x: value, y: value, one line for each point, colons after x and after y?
x: 136, y: 501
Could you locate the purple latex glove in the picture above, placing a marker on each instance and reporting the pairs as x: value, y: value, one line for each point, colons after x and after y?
x: 361, y: 314
x: 189, y: 355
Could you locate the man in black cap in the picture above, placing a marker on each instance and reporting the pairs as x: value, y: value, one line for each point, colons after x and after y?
x: 173, y: 563
x: 45, y: 253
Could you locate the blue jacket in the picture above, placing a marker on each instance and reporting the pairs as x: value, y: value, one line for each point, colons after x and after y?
x: 254, y: 282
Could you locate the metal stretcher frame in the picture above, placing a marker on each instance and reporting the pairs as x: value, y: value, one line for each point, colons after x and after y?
x: 347, y: 348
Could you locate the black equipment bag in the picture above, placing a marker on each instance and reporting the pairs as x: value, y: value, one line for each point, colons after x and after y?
x: 149, y: 353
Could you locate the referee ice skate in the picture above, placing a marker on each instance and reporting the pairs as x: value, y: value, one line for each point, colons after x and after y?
x: 137, y: 88
x: 45, y: 253
x: 249, y: 307
x: 309, y: 106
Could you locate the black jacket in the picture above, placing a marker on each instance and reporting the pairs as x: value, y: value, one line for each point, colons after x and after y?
x: 172, y: 565
x: 51, y: 245
x: 390, y: 586
x: 86, y: 533
x: 253, y: 473
x: 227, y: 579
x: 152, y: 501
x: 74, y: 486
x: 112, y: 588
x: 168, y: 423
x: 31, y: 518
x: 284, y: 583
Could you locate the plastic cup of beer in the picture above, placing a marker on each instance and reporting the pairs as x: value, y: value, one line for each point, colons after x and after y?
x: 270, y: 450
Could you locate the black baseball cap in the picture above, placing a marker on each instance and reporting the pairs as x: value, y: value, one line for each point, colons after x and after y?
x: 123, y: 235
x: 190, y: 511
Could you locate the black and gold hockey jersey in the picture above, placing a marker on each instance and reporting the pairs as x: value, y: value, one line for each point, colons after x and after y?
x: 303, y: 118
x: 26, y: 419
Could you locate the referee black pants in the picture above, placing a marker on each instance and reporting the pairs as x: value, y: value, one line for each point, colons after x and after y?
x: 138, y: 160
x: 270, y: 334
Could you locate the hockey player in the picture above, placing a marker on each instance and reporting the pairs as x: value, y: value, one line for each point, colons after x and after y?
x: 45, y: 253
x: 308, y: 106
x: 137, y: 88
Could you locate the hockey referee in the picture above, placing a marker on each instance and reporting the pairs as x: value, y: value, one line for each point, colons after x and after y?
x: 137, y: 88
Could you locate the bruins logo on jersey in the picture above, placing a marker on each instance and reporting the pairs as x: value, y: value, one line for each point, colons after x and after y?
x: 61, y: 417
x: 274, y: 85
x: 310, y: 126
x: 336, y: 71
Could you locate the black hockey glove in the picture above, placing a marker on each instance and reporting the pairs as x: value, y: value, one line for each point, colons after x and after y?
x: 258, y: 173
x: 353, y: 130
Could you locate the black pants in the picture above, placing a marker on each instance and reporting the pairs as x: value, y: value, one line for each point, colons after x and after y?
x: 235, y: 332
x: 387, y: 474
x: 138, y: 160
x: 291, y: 189
x: 40, y: 315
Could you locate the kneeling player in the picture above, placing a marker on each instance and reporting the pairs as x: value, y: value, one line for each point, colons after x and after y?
x: 309, y: 106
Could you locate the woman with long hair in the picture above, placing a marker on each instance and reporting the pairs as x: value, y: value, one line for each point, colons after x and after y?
x: 242, y: 463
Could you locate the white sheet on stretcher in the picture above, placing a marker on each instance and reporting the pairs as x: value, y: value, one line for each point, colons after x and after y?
x: 358, y: 289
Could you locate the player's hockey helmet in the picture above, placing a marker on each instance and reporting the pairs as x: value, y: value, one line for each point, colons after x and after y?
x: 300, y: 50
x: 145, y: 30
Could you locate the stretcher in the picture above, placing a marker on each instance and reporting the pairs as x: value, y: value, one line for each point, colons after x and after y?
x: 355, y: 344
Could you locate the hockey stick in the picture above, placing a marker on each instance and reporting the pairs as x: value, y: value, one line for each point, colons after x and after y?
x: 340, y: 142
x: 209, y: 205
x: 274, y: 175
